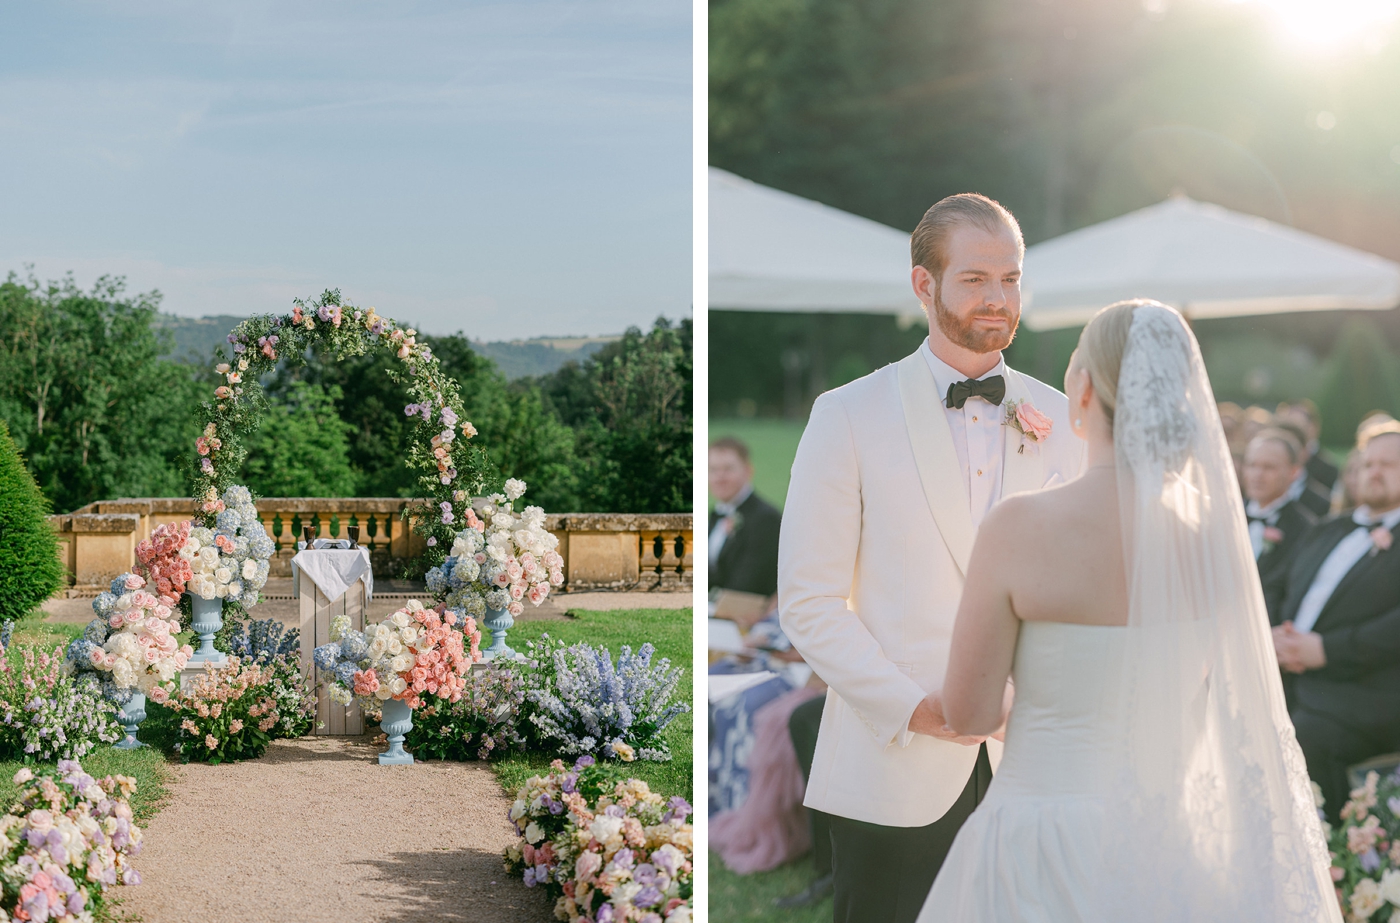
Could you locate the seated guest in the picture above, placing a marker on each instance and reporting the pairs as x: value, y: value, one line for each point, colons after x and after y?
x: 1303, y: 414
x: 1276, y: 520
x: 743, y: 527
x: 803, y: 726
x: 1304, y: 489
x: 1347, y: 486
x: 1337, y: 612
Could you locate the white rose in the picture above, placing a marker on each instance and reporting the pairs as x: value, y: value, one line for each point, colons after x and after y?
x: 209, y: 555
x: 383, y: 693
x: 376, y: 648
x: 515, y: 488
x: 400, y: 618
x: 1366, y: 899
x: 396, y: 685
x: 605, y: 828
x: 401, y: 663
x: 223, y: 575
x: 1390, y: 886
x: 393, y: 647
x: 408, y: 635
x: 221, y: 591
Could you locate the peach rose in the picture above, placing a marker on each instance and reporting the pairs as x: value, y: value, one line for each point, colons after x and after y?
x: 1033, y: 423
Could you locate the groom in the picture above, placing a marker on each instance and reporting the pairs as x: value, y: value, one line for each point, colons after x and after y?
x: 893, y: 475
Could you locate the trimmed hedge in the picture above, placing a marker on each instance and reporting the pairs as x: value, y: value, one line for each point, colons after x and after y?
x: 30, y: 571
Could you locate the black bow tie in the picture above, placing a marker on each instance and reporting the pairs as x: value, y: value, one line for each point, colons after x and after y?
x: 992, y: 390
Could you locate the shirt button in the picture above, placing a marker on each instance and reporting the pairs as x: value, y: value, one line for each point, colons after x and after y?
x: 974, y: 419
x: 979, y: 472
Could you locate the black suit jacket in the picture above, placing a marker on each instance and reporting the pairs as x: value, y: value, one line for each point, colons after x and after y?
x: 1322, y: 472
x: 1294, y: 520
x: 1316, y: 502
x: 748, y: 562
x: 1360, y: 629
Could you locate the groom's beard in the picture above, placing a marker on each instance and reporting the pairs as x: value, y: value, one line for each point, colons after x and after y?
x: 963, y: 333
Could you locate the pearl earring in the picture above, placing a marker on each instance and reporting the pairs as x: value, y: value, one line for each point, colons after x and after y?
x: 1078, y: 423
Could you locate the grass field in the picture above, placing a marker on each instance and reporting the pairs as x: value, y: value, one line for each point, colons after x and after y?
x: 772, y: 447
x: 669, y: 630
x: 750, y: 897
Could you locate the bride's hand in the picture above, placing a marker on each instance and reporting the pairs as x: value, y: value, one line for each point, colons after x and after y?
x: 928, y: 719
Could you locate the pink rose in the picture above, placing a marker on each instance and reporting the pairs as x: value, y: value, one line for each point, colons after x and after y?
x: 516, y: 608
x: 159, y: 695
x: 1033, y: 423
x: 1381, y: 538
x: 1273, y: 535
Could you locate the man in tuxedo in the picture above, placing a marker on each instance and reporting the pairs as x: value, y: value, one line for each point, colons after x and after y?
x: 1303, y: 414
x: 1277, y: 520
x: 743, y: 526
x: 893, y: 474
x: 1337, y: 612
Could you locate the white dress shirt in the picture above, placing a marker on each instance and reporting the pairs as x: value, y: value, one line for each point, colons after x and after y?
x: 978, y: 434
x: 1266, y: 516
x: 1339, y: 563
x: 724, y: 525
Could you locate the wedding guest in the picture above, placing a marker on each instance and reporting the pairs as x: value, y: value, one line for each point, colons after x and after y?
x: 1277, y: 520
x: 1347, y: 487
x: 743, y: 526
x: 1304, y: 415
x: 803, y: 727
x: 1337, y: 616
x: 1304, y: 489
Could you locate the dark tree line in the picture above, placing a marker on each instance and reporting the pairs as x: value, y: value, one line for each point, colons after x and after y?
x: 98, y: 413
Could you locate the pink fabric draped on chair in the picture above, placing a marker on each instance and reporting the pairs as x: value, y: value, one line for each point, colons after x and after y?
x: 770, y: 828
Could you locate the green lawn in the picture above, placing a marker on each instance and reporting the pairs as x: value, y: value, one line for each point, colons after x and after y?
x: 750, y: 897
x: 772, y: 447
x: 670, y: 631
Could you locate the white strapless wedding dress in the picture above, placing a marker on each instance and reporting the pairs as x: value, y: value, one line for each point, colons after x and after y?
x: 1031, y: 851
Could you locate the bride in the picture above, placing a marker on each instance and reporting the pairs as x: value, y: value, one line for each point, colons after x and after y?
x: 1150, y: 770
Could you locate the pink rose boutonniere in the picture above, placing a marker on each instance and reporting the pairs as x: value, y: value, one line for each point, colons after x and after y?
x: 1380, y: 539
x: 1029, y: 422
x: 1273, y: 535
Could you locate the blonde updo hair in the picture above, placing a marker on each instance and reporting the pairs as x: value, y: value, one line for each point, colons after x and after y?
x: 1101, y: 348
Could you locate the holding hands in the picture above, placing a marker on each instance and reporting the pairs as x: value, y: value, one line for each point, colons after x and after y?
x: 1298, y: 651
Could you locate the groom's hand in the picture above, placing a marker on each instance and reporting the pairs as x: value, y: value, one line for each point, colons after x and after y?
x: 928, y: 719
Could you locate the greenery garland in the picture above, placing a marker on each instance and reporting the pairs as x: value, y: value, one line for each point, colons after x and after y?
x: 453, y: 469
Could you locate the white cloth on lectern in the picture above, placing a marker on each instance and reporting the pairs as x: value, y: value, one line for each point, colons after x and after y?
x: 334, y: 570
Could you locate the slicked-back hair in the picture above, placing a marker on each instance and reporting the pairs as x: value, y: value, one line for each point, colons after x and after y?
x: 928, y: 245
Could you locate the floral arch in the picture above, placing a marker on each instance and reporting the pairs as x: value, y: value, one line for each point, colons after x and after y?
x: 453, y: 469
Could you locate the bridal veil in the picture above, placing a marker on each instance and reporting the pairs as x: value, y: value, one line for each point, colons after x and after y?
x: 1214, y: 819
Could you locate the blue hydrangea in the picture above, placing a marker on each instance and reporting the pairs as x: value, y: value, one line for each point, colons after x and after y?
x: 354, y: 647
x: 96, y: 631
x: 237, y: 495
x: 228, y: 522
x: 326, y: 656
x: 345, y: 673
x: 118, y: 586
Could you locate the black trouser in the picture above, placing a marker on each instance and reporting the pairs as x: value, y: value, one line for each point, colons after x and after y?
x: 883, y: 874
x: 803, y: 724
x: 1329, y: 747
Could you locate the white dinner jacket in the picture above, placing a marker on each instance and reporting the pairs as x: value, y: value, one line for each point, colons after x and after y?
x: 875, y: 541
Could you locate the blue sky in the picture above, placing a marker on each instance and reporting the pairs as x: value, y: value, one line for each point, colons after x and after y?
x: 509, y: 169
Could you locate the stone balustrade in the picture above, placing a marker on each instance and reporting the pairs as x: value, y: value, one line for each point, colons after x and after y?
x: 615, y: 551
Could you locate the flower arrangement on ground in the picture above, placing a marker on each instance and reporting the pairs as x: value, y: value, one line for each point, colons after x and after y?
x: 1366, y: 850
x: 607, y: 850
x: 501, y: 560
x: 48, y: 713
x: 67, y: 840
x: 131, y: 643
x: 583, y: 703
x: 276, y: 649
x: 159, y: 561
x: 451, y: 468
x: 412, y: 652
x: 230, y: 560
x: 227, y: 713
x: 485, y: 723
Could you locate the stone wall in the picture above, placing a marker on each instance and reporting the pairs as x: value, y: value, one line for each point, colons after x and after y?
x: 616, y: 551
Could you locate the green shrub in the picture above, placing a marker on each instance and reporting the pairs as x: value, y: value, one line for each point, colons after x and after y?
x: 30, y: 571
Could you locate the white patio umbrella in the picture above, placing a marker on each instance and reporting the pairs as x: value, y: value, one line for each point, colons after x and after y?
x: 1204, y: 260
x: 773, y: 251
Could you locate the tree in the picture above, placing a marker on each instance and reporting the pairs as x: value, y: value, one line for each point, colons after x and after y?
x: 302, y: 448
x: 87, y: 397
x: 30, y: 571
x: 630, y: 406
x: 1360, y: 376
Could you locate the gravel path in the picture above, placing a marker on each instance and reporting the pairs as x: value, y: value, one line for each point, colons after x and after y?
x: 317, y: 831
